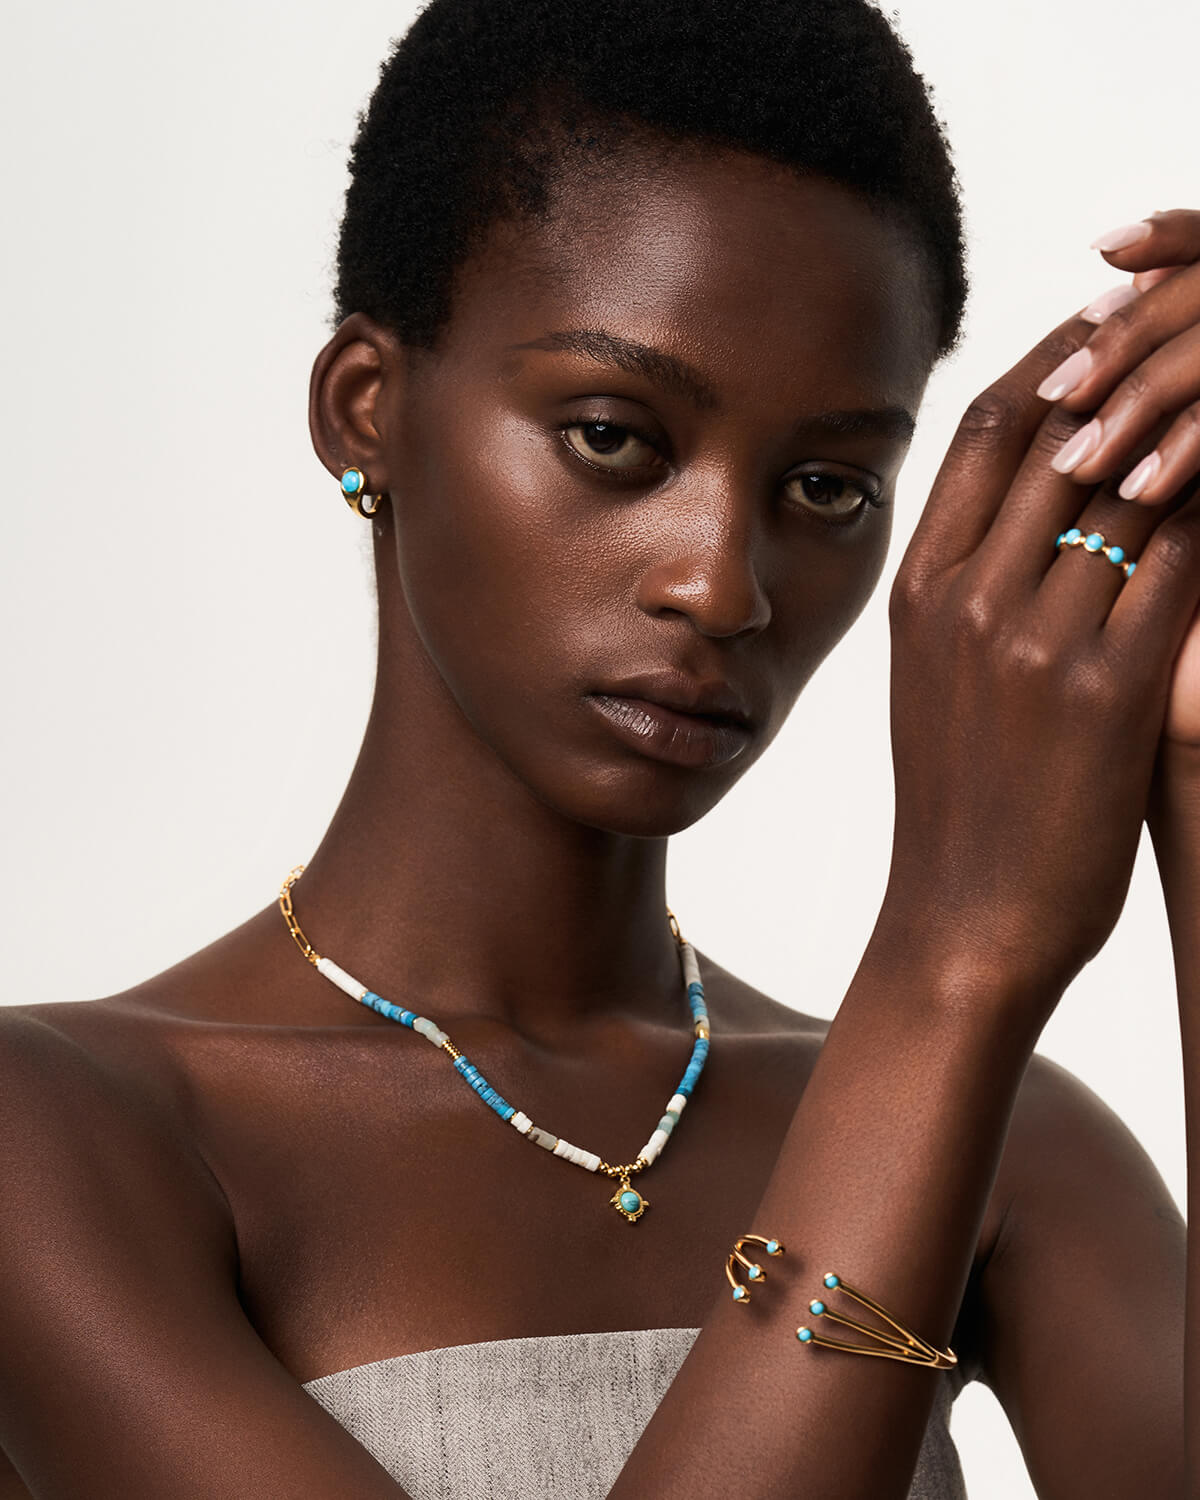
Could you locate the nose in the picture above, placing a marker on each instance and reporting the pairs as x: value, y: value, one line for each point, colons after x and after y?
x: 705, y: 565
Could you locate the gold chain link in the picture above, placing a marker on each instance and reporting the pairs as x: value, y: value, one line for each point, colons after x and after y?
x: 289, y: 916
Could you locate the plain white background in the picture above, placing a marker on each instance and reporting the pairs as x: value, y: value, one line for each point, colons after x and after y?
x: 187, y: 604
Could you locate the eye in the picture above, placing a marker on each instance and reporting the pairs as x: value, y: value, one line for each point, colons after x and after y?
x: 607, y: 445
x: 832, y: 494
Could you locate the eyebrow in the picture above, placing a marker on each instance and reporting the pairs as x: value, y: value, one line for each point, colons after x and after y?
x: 681, y: 379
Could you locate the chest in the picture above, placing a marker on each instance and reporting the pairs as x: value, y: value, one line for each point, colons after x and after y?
x: 383, y: 1209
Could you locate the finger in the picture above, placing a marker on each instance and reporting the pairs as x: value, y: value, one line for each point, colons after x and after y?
x: 1156, y: 391
x: 1144, y: 280
x: 1164, y: 239
x: 1013, y: 561
x: 986, y: 452
x: 1158, y: 603
x: 1170, y: 464
x: 1125, y: 338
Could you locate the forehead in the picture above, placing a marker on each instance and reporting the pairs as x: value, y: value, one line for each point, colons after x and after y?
x: 763, y: 280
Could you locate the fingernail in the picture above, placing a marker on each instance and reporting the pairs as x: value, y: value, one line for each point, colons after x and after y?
x: 1107, y: 303
x: 1138, y: 479
x: 1122, y: 237
x: 1076, y: 449
x: 1071, y: 373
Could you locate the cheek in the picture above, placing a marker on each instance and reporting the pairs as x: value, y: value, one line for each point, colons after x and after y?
x: 494, y: 560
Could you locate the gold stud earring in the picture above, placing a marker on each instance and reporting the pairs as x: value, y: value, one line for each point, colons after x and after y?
x: 354, y: 484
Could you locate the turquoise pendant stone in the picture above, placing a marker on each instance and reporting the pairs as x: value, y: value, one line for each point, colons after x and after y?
x: 631, y: 1201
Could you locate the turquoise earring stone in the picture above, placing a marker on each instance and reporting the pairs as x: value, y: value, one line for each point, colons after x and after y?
x: 352, y: 481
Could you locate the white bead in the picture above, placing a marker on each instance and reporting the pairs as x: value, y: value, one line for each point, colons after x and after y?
x: 649, y: 1152
x: 339, y: 977
x: 658, y: 1140
x: 437, y: 1037
x: 563, y: 1148
x: 691, y: 968
x: 521, y: 1122
x: 590, y: 1161
x: 676, y: 1104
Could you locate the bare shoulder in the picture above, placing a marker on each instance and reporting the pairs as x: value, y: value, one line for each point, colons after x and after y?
x: 738, y: 1009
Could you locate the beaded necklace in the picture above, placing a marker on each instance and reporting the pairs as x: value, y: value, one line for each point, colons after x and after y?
x: 626, y: 1200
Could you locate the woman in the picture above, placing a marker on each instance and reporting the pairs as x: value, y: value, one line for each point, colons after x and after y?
x: 629, y: 349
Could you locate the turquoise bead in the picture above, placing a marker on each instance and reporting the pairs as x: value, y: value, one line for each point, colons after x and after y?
x: 1129, y: 570
x: 1116, y: 554
x: 740, y: 1294
x: 1093, y: 541
x: 754, y: 1272
x: 831, y: 1280
x: 816, y: 1307
x: 772, y: 1247
x: 804, y: 1334
x: 1073, y: 535
x: 630, y: 1201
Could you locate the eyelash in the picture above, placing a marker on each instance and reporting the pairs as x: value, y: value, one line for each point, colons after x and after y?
x: 870, y: 497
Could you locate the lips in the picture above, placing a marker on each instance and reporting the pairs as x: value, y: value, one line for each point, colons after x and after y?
x: 676, y: 719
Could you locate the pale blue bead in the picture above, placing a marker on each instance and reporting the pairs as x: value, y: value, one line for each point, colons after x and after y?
x: 772, y: 1246
x: 740, y: 1294
x: 754, y: 1272
x: 1093, y: 541
x: 667, y: 1123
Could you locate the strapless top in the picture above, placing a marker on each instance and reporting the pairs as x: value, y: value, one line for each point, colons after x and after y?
x: 545, y: 1418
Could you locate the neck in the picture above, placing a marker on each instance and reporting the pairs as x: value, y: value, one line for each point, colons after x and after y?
x: 446, y: 886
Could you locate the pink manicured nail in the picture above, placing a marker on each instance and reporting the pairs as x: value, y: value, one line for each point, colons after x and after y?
x: 1124, y: 236
x: 1076, y: 449
x: 1107, y: 303
x: 1138, y: 479
x: 1071, y: 373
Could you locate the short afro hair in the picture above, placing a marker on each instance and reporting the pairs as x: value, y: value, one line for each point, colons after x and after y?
x: 485, y: 107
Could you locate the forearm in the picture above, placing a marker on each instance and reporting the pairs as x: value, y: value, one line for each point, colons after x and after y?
x: 1174, y: 822
x: 883, y: 1177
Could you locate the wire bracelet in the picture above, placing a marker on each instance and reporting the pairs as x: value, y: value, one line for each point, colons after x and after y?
x: 900, y: 1344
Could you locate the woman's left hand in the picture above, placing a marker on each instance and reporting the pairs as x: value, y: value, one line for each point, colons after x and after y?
x: 1153, y: 332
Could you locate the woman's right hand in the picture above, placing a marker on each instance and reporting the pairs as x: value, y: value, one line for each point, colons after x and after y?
x: 1029, y: 687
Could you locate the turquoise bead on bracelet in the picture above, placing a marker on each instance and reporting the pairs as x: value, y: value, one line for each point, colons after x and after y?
x: 626, y: 1200
x: 1092, y: 541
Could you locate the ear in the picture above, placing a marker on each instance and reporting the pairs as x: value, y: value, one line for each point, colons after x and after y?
x: 354, y: 384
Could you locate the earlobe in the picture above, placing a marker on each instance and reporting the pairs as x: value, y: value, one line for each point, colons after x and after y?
x: 353, y: 385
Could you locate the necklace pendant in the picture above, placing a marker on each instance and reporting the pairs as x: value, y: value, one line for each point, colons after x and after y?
x: 628, y: 1201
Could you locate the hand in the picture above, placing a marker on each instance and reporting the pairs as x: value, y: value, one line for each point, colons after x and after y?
x: 1145, y: 376
x: 1030, y: 686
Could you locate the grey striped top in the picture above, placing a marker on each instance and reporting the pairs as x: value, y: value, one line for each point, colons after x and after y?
x: 546, y: 1418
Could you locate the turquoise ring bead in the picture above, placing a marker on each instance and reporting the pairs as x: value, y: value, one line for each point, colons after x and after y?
x: 1116, y: 555
x: 1073, y: 535
x: 1093, y: 541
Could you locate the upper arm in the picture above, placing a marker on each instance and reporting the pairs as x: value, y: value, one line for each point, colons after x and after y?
x: 127, y: 1366
x: 1083, y: 1300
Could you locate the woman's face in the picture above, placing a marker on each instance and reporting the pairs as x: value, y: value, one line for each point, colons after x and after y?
x: 653, y: 463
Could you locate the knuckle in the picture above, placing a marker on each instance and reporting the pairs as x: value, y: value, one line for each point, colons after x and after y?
x: 1189, y: 421
x: 910, y: 596
x: 1173, y: 547
x: 1137, y: 387
x: 1031, y: 655
x: 977, y: 615
x: 1057, y: 428
x: 992, y: 415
